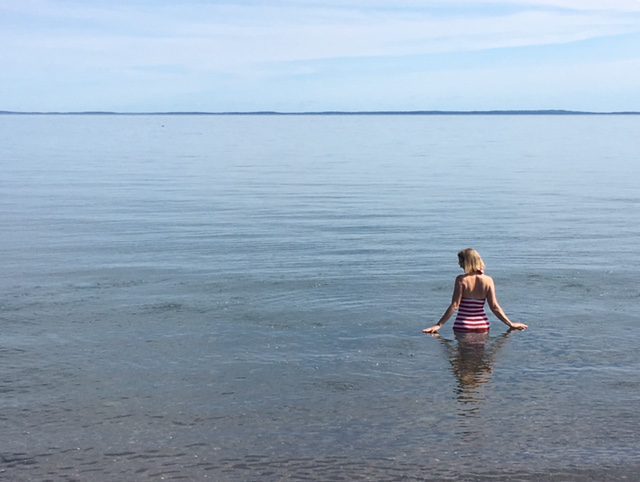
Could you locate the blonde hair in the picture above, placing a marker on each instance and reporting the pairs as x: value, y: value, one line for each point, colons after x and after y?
x: 471, y: 261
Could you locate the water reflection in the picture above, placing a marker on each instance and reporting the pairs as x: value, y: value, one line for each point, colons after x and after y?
x: 472, y: 356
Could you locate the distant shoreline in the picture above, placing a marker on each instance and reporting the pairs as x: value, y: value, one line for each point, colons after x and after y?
x: 554, y: 112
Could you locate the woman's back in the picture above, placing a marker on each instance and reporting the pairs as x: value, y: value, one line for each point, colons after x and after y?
x: 475, y: 285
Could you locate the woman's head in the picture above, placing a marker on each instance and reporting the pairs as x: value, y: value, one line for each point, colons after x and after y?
x: 470, y: 261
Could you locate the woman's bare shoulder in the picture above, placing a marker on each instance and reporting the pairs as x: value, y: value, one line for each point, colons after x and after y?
x: 487, y: 279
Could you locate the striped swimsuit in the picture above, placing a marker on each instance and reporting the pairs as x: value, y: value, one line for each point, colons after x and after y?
x: 471, y: 316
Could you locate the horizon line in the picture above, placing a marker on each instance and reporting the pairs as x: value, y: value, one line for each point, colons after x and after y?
x: 332, y: 112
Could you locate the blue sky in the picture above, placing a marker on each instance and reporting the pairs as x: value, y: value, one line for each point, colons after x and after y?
x: 291, y: 55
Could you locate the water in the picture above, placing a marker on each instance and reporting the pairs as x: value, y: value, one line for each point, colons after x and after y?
x: 241, y: 298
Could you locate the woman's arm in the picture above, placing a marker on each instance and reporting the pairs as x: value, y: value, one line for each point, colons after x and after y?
x: 453, y: 307
x: 497, y: 310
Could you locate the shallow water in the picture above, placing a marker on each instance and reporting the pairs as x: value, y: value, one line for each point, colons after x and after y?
x: 241, y: 298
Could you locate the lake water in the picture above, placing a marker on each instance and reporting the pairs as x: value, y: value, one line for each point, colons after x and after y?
x: 241, y: 298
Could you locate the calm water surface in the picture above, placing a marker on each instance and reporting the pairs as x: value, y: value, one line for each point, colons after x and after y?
x: 241, y: 298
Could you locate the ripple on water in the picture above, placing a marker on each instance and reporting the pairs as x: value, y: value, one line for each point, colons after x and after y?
x: 90, y: 464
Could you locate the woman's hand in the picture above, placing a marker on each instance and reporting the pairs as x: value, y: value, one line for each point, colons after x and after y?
x: 433, y: 330
x: 518, y: 326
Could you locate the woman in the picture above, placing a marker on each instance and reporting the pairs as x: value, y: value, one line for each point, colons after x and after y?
x: 471, y: 291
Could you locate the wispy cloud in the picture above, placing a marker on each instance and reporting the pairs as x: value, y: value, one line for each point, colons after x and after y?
x: 231, y: 36
x: 191, y: 43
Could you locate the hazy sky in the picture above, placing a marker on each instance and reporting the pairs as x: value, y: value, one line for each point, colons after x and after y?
x: 156, y: 55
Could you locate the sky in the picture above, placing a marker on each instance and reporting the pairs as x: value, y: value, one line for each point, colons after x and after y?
x: 298, y: 55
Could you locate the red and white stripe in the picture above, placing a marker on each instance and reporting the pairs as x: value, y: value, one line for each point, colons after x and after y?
x: 471, y: 316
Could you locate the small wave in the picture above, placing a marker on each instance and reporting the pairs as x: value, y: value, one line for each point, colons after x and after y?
x: 166, y: 307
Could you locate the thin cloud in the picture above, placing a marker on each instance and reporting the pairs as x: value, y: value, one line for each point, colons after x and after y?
x: 238, y: 37
x: 101, y: 48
